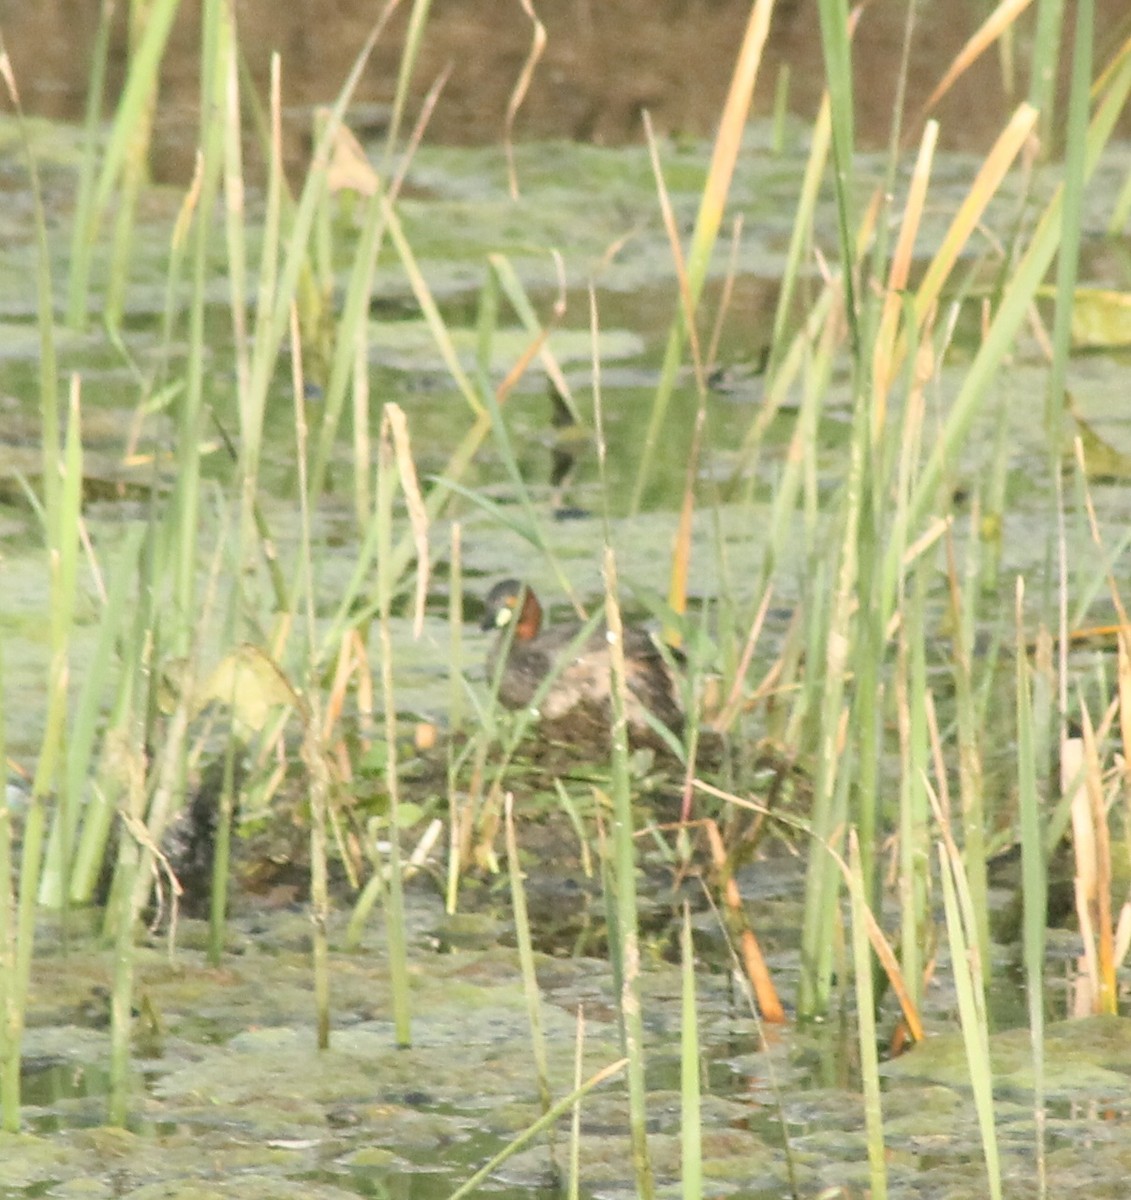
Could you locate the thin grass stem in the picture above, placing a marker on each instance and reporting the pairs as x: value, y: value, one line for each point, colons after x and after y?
x: 712, y: 204
x: 526, y: 964
x: 866, y: 1022
x: 1034, y: 888
x: 691, y: 1134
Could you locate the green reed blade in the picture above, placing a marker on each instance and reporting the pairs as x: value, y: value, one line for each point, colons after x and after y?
x: 83, y: 219
x: 222, y: 850
x: 966, y: 967
x: 135, y: 99
x: 353, y: 319
x: 64, y: 853
x: 525, y: 947
x: 134, y: 177
x: 963, y: 602
x: 712, y: 204
x: 801, y: 233
x: 691, y: 1134
x: 121, y: 989
x: 276, y: 308
x: 624, y: 888
x: 354, y: 314
x: 502, y: 270
x: 1034, y: 881
x: 154, y: 805
x: 1043, y: 63
x: 112, y: 773
x: 183, y: 515
x: 410, y: 52
x: 867, y: 720
x: 45, y: 318
x: 389, y: 450
x: 11, y: 1004
x: 63, y: 536
x: 573, y: 1186
x: 532, y: 1131
x: 914, y: 837
x: 836, y: 755
x: 1072, y: 219
x: 866, y: 1021
x: 837, y: 47
x: 430, y: 310
x: 1016, y: 299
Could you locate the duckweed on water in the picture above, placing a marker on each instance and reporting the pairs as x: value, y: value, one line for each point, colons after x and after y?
x: 239, y: 1100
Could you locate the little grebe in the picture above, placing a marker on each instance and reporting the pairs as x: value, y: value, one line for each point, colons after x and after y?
x: 576, y: 707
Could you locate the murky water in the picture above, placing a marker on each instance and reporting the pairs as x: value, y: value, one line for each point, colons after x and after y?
x: 230, y: 1095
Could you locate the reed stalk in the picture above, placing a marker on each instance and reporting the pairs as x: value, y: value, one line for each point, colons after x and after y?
x: 133, y: 574
x: 11, y: 1006
x: 80, y: 829
x: 280, y: 287
x: 822, y: 882
x: 222, y: 851
x: 573, y: 1185
x: 128, y: 138
x: 914, y: 811
x: 184, y: 511
x: 966, y: 966
x: 62, y: 507
x: 564, y: 1105
x: 313, y: 750
x: 134, y: 176
x: 83, y: 219
x: 525, y: 945
x: 970, y: 774
x: 619, y: 874
x: 1018, y: 294
x: 712, y: 205
x: 624, y: 891
x: 837, y: 50
x: 1072, y: 219
x: 130, y: 846
x: 1044, y: 59
x: 414, y: 37
x: 1034, y: 887
x: 691, y: 1134
x: 394, y: 461
x: 456, y: 708
x: 866, y: 1021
